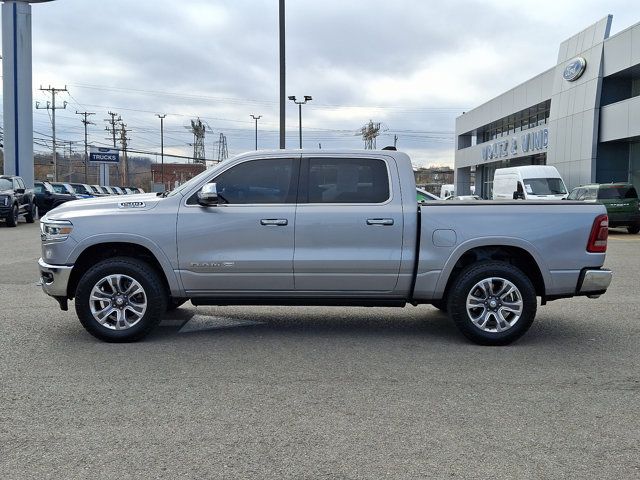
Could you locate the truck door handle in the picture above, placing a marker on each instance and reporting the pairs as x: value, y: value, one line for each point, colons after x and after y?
x: 274, y: 222
x: 379, y: 221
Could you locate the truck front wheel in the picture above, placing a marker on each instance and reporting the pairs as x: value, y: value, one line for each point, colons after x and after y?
x: 120, y: 299
x: 492, y: 303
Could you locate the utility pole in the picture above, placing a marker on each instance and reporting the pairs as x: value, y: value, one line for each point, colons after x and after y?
x: 283, y: 94
x: 125, y: 161
x: 256, y: 119
x: 162, y: 117
x: 112, y: 129
x: 85, y: 121
x: 52, y: 106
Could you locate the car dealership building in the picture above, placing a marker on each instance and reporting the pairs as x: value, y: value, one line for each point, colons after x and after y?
x: 582, y: 116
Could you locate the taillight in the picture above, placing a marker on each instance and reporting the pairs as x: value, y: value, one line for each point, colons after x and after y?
x: 599, y: 235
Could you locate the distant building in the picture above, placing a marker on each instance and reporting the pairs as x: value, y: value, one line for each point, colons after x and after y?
x: 582, y: 116
x: 431, y: 179
x: 174, y: 173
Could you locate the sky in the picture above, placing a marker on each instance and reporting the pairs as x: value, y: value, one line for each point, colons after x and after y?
x: 413, y: 66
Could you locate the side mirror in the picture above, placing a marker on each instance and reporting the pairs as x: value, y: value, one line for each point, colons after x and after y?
x: 518, y: 196
x: 20, y: 190
x: 208, y: 196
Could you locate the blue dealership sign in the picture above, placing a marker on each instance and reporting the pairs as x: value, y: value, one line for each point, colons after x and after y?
x: 104, y: 155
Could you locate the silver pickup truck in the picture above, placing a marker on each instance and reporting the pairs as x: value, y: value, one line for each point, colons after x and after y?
x: 318, y: 228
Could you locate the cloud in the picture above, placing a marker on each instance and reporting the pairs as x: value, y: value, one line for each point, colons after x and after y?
x: 414, y: 66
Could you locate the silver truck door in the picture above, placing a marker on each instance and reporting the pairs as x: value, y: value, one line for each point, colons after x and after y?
x: 349, y: 225
x: 245, y: 244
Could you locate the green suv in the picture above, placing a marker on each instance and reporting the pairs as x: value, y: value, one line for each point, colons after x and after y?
x: 620, y: 200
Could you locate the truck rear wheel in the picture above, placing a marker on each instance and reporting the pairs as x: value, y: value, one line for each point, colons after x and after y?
x: 492, y: 303
x: 120, y: 299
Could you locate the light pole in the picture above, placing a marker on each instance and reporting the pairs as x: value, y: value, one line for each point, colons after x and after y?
x: 256, y: 119
x: 161, y: 117
x: 307, y: 98
x: 283, y: 110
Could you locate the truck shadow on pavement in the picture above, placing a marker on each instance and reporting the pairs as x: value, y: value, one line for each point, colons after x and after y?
x: 421, y: 323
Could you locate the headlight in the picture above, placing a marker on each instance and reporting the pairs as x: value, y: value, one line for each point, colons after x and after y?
x: 4, y: 200
x: 55, y: 230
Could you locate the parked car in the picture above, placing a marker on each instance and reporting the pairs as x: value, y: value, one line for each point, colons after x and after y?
x: 529, y: 182
x: 227, y: 237
x: 67, y: 189
x: 47, y: 198
x: 82, y: 189
x: 464, y: 197
x: 98, y: 190
x: 109, y: 190
x: 620, y: 200
x: 16, y: 200
x: 424, y: 196
x: 446, y: 191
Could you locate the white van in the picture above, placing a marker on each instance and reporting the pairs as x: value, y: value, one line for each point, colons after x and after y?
x: 530, y: 182
x: 447, y: 191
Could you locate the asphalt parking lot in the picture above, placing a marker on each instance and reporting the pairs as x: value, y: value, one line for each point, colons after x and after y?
x: 246, y: 392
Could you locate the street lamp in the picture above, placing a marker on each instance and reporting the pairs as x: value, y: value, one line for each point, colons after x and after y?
x: 256, y: 119
x: 307, y: 98
x: 161, y: 117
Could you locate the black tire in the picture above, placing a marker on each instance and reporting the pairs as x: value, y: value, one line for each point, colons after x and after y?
x: 440, y: 305
x: 145, y: 275
x: 32, y: 214
x: 12, y: 219
x: 175, y: 303
x: 463, y: 286
x: 633, y: 229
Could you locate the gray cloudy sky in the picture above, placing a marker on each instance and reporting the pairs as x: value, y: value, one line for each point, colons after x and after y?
x: 412, y: 65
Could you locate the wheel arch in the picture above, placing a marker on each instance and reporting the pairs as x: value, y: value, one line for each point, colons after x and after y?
x: 520, y: 254
x: 83, y: 258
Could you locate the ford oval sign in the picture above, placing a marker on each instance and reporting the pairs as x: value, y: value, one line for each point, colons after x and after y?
x: 574, y: 69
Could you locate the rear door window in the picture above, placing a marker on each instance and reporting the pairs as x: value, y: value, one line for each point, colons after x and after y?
x: 347, y: 180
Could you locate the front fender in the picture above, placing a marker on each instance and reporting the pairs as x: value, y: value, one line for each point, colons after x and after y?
x: 175, y: 285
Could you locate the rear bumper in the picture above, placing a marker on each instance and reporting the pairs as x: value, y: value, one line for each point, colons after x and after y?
x: 54, y: 278
x: 624, y: 219
x: 594, y: 282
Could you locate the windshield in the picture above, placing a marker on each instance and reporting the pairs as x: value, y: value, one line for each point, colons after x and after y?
x: 187, y: 185
x: 617, y: 193
x: 6, y: 184
x: 58, y: 188
x: 544, y: 186
x: 79, y: 188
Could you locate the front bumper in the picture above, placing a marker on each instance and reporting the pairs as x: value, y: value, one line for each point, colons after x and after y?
x: 54, y: 278
x: 5, y: 211
x: 594, y: 282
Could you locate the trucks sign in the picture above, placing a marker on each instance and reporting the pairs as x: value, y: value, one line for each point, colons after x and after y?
x: 104, y: 155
